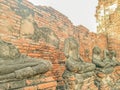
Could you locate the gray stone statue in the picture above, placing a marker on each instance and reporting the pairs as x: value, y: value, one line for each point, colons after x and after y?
x: 96, y: 57
x: 109, y: 61
x: 104, y: 66
x: 97, y: 60
x: 75, y: 66
x: 15, y: 66
x: 113, y: 58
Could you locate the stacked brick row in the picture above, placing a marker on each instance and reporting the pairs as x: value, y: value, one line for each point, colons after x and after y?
x: 44, y: 51
x: 89, y: 84
x: 54, y: 20
x: 57, y: 22
x: 37, y: 50
x: 9, y: 21
x: 109, y: 23
x: 114, y: 44
x: 46, y: 17
x: 113, y: 33
x: 36, y: 83
x: 87, y: 40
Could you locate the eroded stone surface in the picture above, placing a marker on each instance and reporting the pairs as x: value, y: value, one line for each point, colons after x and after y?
x: 104, y: 68
x: 17, y: 18
x: 15, y: 67
x: 8, y: 51
x: 75, y: 66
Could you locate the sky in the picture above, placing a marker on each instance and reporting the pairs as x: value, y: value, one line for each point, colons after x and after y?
x: 80, y: 12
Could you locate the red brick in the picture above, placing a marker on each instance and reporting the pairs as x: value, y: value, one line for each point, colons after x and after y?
x: 47, y: 85
x: 31, y: 88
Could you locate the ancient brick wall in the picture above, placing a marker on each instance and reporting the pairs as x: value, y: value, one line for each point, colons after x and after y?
x: 88, y: 40
x: 40, y: 32
x: 16, y: 29
x: 18, y: 13
x: 109, y: 23
x: 11, y: 25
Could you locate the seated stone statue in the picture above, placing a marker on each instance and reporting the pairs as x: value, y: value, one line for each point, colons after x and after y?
x: 13, y: 65
x: 96, y: 57
x: 113, y: 58
x: 75, y: 66
x: 110, y: 61
x: 104, y: 66
x: 97, y: 60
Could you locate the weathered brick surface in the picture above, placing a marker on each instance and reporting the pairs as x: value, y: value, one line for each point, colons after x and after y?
x: 109, y: 23
x: 16, y: 27
x: 89, y: 84
x: 88, y: 40
x: 114, y: 44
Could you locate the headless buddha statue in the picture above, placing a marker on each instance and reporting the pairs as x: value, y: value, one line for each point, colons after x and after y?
x: 13, y: 65
x: 75, y: 65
